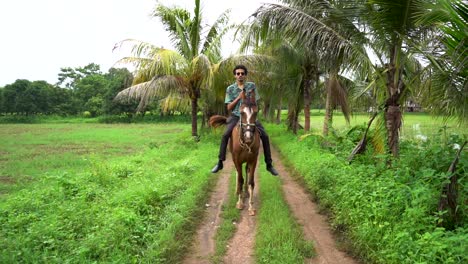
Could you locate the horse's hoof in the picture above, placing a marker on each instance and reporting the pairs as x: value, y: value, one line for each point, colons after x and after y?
x: 252, y: 212
x: 239, y: 206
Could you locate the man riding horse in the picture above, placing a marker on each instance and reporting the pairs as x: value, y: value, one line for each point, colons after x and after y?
x: 233, y: 100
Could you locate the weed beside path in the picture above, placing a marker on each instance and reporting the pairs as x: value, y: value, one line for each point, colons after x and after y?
x: 388, y: 215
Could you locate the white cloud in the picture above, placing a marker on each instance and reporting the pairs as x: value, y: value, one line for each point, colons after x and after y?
x: 40, y: 37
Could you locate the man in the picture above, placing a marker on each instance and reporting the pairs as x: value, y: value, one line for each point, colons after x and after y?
x: 233, y: 101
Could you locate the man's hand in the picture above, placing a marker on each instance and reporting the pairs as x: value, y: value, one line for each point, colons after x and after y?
x: 242, y: 94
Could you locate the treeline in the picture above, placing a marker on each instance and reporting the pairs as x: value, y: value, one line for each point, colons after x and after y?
x: 83, y: 90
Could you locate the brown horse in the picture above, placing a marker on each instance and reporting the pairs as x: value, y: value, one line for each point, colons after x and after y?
x: 244, y: 145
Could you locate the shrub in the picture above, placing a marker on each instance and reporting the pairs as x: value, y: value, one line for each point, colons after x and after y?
x: 389, y: 214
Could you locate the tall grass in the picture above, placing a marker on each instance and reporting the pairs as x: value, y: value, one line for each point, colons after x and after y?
x: 388, y: 214
x: 124, y: 206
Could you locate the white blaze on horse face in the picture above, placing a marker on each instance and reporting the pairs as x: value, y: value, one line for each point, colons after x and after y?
x: 249, y: 113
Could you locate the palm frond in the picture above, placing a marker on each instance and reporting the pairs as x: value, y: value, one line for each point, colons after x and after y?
x: 361, y: 146
x: 195, y: 29
x: 176, y: 21
x: 158, y: 87
x: 201, y: 72
x: 212, y: 44
x: 379, y: 135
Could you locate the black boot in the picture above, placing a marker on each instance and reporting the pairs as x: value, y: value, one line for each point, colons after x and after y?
x: 272, y: 170
x: 218, y: 167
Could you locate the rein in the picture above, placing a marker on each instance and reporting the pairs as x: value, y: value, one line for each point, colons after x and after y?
x: 241, y: 141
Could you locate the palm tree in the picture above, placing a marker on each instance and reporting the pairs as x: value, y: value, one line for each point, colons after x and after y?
x: 314, y: 50
x: 290, y: 76
x: 345, y: 29
x: 177, y: 75
x: 446, y: 89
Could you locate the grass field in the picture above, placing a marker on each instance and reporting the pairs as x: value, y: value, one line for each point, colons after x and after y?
x: 85, y: 192
x: 30, y: 151
x: 89, y: 192
x: 108, y: 193
x: 413, y: 123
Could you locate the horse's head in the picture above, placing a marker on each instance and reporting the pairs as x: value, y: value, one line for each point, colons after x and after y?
x: 247, y: 121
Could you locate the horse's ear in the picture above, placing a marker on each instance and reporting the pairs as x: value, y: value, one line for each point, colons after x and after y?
x: 243, y: 96
x: 255, y: 108
x: 252, y: 98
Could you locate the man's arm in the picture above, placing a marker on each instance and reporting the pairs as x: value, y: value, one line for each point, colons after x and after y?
x: 233, y: 104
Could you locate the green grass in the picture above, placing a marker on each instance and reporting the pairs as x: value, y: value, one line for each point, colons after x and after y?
x: 388, y: 215
x: 134, y: 195
x: 279, y: 238
x: 414, y: 123
x: 91, y: 192
x: 29, y: 151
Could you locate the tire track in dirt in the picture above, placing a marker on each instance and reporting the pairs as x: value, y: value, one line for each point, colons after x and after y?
x: 241, y: 246
x: 203, y: 247
x: 314, y: 225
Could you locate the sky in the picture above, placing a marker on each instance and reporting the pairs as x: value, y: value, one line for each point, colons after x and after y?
x: 41, y: 37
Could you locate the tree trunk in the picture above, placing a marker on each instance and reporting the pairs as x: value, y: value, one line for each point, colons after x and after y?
x: 310, y: 73
x: 449, y: 195
x: 266, y: 110
x: 278, y: 113
x: 393, y: 124
x: 194, y: 116
x: 393, y: 115
x: 293, y: 117
x: 328, y: 110
x: 307, y: 101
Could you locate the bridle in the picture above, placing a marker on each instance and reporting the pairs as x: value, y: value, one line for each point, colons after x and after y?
x: 246, y: 127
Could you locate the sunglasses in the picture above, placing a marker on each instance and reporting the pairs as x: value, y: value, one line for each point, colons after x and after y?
x: 240, y: 73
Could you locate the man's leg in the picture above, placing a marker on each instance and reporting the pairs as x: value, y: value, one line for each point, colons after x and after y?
x: 266, y: 149
x: 224, y: 141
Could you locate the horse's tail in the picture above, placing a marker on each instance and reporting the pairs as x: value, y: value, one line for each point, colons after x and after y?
x: 217, y: 121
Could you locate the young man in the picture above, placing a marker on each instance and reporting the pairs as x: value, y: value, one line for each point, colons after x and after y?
x: 233, y: 101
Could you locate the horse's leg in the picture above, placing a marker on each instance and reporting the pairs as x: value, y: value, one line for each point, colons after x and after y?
x: 251, y: 182
x: 240, y: 182
x: 246, y: 183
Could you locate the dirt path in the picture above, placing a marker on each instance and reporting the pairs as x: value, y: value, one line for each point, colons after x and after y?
x: 203, y: 247
x: 240, y: 249
x: 314, y: 224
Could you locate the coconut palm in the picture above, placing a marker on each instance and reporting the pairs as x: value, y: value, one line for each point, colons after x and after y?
x: 315, y: 50
x: 177, y: 75
x: 345, y: 29
x: 290, y: 76
x: 446, y: 91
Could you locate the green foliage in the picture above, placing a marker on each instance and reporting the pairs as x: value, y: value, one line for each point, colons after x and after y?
x: 11, y: 119
x: 135, y: 118
x: 87, y: 114
x: 137, y: 207
x: 87, y: 89
x: 389, y: 214
x: 279, y: 238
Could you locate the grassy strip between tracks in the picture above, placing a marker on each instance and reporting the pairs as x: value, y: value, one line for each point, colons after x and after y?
x: 279, y: 238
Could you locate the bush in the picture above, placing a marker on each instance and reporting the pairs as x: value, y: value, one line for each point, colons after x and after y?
x: 389, y: 214
x: 21, y: 119
x: 87, y: 114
